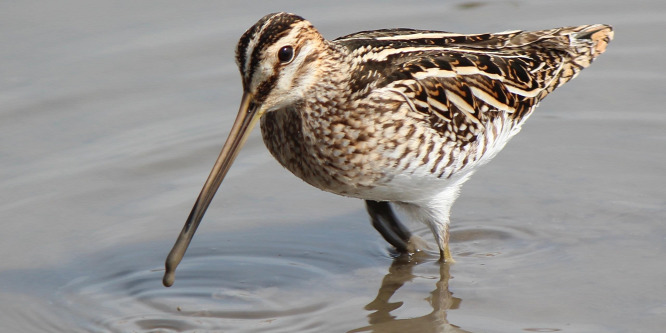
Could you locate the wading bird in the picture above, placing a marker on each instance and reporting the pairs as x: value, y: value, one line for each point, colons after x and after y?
x: 394, y: 117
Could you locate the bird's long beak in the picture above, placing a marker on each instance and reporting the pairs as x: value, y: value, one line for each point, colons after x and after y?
x: 245, y: 121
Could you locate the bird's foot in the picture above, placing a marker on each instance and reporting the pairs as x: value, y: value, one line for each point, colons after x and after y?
x: 417, y: 244
x: 445, y: 255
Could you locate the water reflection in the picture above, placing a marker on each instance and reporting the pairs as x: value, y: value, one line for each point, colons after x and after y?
x: 236, y: 288
x: 264, y: 280
x: 441, y: 300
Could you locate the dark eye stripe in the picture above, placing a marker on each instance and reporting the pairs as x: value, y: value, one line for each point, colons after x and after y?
x: 264, y: 89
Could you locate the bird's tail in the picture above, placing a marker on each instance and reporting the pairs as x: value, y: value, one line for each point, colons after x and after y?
x: 580, y: 46
x: 590, y: 41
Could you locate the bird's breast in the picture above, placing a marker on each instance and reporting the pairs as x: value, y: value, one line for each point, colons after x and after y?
x: 330, y: 156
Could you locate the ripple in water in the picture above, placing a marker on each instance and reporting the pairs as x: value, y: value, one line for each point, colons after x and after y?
x: 505, y: 240
x: 288, y: 280
x: 275, y: 283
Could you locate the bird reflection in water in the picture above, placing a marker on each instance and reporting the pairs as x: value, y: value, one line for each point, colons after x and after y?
x: 441, y: 300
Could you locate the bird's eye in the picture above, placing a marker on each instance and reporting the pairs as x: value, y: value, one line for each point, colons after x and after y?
x: 286, y: 54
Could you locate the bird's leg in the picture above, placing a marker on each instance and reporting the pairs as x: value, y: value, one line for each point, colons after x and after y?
x: 446, y: 253
x: 388, y: 225
x: 448, y: 258
x: 441, y: 233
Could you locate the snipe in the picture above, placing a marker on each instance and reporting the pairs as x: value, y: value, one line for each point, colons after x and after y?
x: 396, y: 116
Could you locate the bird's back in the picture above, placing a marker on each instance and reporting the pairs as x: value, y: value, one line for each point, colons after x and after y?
x: 516, y: 69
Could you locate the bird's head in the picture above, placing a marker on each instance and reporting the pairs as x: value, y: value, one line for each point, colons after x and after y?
x: 279, y: 60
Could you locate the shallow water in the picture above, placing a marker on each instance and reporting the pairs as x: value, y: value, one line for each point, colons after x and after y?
x: 112, y: 114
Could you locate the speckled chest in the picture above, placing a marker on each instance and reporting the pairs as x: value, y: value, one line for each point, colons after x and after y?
x: 319, y: 152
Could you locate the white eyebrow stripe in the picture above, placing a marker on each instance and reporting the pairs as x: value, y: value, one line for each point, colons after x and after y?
x: 252, y: 44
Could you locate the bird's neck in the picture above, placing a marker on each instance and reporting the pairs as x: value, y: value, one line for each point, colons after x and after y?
x: 330, y: 90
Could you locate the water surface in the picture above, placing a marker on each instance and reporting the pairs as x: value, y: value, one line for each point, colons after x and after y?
x: 112, y: 114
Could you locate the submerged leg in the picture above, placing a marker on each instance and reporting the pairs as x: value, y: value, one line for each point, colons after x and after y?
x: 388, y: 225
x: 445, y: 252
x: 436, y: 216
x: 441, y: 233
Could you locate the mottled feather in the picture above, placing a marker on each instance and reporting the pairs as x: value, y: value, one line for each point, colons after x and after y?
x: 467, y: 80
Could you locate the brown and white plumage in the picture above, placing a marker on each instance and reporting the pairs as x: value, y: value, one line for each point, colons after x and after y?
x: 398, y: 115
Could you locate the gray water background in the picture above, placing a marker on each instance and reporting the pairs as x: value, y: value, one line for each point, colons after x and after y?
x: 112, y: 113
